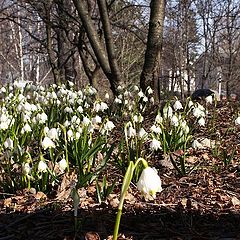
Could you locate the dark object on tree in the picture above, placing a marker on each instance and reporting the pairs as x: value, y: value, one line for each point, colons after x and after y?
x: 201, y: 93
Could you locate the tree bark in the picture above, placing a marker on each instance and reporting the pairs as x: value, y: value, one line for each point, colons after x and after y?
x: 154, y: 44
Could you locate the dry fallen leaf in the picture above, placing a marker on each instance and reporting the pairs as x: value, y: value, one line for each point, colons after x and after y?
x: 92, y: 236
x: 235, y: 201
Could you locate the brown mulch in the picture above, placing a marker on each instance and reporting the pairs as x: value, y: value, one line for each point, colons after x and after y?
x: 202, y: 205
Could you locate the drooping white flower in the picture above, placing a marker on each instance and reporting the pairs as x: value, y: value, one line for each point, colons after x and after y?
x: 149, y: 182
x: 177, y: 105
x: 26, y: 169
x: 107, y: 96
x: 167, y: 112
x: 158, y: 119
x: 155, y: 144
x: 97, y: 119
x: 142, y: 133
x: 63, y: 164
x: 53, y: 134
x: 197, y: 145
x: 8, y: 143
x: 198, y: 112
x: 42, y: 166
x: 156, y: 129
x: 237, y: 121
x: 149, y: 90
x: 209, y: 99
x: 26, y: 128
x: 70, y: 134
x: 141, y: 94
x: 86, y: 121
x: 109, y: 126
x: 103, y: 106
x: 47, y: 143
x: 131, y: 132
x: 174, y: 121
x: 41, y: 117
x: 201, y: 121
x: 80, y: 109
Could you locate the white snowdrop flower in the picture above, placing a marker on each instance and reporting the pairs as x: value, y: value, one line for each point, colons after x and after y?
x: 26, y: 169
x: 120, y: 96
x: 177, y: 105
x: 158, y: 119
x: 145, y: 99
x: 209, y: 99
x: 197, y: 145
x: 92, y: 91
x: 70, y: 134
x: 103, y: 106
x: 149, y: 182
x: 149, y: 90
x: 174, y: 121
x: 155, y: 144
x: 53, y: 95
x: 63, y: 164
x: 136, y: 88
x: 77, y: 135
x: 71, y: 84
x: 21, y: 97
x: 152, y: 100
x: 126, y: 93
x: 96, y: 107
x: 156, y: 129
x: 80, y: 109
x: 201, y: 107
x: 8, y: 143
x: 197, y: 112
x: 3, y: 90
x: 68, y: 110
x: 190, y: 104
x: 201, y: 121
x: 26, y: 128
x: 97, y: 119
x: 135, y: 118
x: 131, y: 132
x: 108, y: 126
x: 107, y: 96
x: 53, y: 134
x: 125, y: 102
x: 47, y: 143
x: 45, y: 130
x: 90, y: 128
x: 86, y: 121
x: 141, y: 94
x: 117, y: 100
x: 167, y: 112
x: 42, y: 166
x: 142, y: 133
x: 41, y: 117
x: 237, y: 121
x: 119, y: 88
x: 66, y: 123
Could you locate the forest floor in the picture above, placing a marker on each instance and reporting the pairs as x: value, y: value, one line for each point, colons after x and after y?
x: 202, y: 205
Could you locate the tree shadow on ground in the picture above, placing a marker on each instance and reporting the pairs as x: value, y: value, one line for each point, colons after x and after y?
x: 159, y: 224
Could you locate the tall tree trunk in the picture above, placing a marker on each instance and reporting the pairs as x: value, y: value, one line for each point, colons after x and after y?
x: 154, y: 44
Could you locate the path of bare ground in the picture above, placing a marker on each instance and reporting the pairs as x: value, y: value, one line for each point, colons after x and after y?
x: 202, y: 205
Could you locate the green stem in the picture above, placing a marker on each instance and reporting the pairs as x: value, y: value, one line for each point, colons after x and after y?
x: 117, y: 223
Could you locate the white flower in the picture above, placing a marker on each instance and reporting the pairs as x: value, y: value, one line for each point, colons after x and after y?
x: 26, y: 169
x: 158, y: 119
x: 86, y: 121
x: 201, y: 121
x: 103, y: 106
x: 80, y: 109
x: 149, y: 90
x: 142, y: 133
x: 47, y: 143
x: 209, y: 99
x: 70, y: 134
x: 8, y: 143
x: 149, y: 182
x: 42, y: 166
x: 177, y: 105
x: 131, y: 132
x: 197, y: 145
x: 41, y: 117
x: 155, y: 144
x: 96, y: 120
x: 141, y: 94
x: 237, y: 121
x: 167, y: 112
x: 26, y: 128
x: 198, y: 112
x: 117, y: 100
x: 156, y: 129
x: 109, y: 126
x: 53, y: 134
x: 106, y: 96
x: 190, y: 104
x: 62, y: 164
x: 174, y: 121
